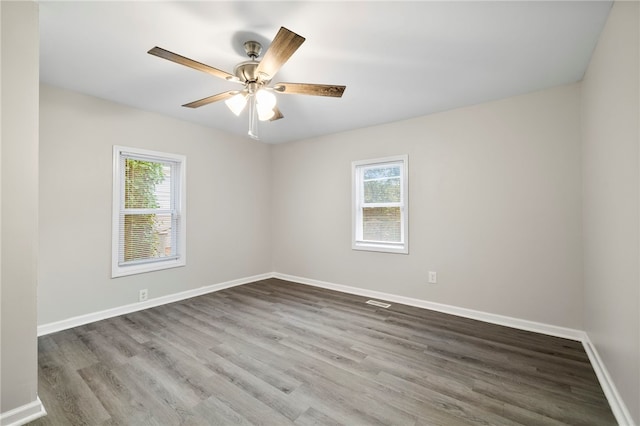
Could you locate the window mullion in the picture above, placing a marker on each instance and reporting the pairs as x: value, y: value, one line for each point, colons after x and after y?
x: 148, y: 211
x: 376, y: 205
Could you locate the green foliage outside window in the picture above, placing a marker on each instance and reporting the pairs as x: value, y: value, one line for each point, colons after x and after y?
x: 141, y: 240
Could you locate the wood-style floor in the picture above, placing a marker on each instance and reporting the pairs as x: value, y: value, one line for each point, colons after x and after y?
x: 278, y: 353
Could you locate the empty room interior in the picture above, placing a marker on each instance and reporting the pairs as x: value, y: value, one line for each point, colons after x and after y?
x: 320, y: 213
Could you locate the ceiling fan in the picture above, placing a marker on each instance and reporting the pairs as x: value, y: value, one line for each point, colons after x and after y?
x: 256, y: 77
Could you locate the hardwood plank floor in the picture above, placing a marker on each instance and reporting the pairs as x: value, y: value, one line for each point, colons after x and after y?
x: 280, y: 353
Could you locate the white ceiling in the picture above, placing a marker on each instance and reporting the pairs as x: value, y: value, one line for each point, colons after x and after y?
x: 398, y: 59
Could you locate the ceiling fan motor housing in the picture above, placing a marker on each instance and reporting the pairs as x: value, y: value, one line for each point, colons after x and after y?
x: 246, y: 71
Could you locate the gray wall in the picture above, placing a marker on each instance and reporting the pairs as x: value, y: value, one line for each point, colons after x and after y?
x: 611, y: 185
x: 494, y: 208
x: 228, y: 204
x: 19, y: 213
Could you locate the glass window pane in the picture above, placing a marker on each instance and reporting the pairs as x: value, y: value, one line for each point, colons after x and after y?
x: 147, y: 184
x: 383, y: 171
x: 147, y: 236
x: 163, y: 189
x: 381, y: 224
x: 382, y: 191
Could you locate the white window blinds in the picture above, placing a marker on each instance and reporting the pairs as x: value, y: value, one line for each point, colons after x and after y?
x: 150, y: 218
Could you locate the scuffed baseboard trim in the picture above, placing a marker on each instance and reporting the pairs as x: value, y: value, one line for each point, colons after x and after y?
x: 551, y: 330
x: 24, y: 414
x: 53, y: 327
x: 618, y: 407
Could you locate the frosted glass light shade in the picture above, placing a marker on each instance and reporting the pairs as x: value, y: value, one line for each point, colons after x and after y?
x: 265, y: 114
x: 266, y: 99
x: 237, y: 103
x: 265, y: 103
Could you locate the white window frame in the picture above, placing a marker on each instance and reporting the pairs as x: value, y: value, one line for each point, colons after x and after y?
x: 178, y: 185
x: 357, y: 185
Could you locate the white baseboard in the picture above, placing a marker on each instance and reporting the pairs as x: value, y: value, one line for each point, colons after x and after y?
x: 618, y: 407
x: 35, y: 409
x: 53, y: 327
x: 24, y: 414
x: 551, y: 330
x: 537, y: 327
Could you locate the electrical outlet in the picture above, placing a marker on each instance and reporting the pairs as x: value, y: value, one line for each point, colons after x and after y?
x: 144, y: 295
x: 433, y: 277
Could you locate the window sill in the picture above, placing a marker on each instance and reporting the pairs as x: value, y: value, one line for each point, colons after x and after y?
x: 123, y: 271
x: 381, y: 247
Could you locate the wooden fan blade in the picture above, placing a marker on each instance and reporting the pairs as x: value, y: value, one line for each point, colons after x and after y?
x: 179, y: 59
x: 211, y: 99
x: 310, y: 89
x: 277, y: 116
x: 284, y: 44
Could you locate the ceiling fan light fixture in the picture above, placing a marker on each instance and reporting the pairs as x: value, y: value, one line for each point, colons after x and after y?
x: 265, y: 114
x: 237, y: 103
x: 265, y: 104
x: 255, y: 76
x: 266, y: 98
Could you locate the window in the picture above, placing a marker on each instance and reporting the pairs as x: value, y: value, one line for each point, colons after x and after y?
x: 148, y: 230
x: 380, y: 205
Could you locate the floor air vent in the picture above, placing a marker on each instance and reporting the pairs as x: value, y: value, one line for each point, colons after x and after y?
x: 376, y: 303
